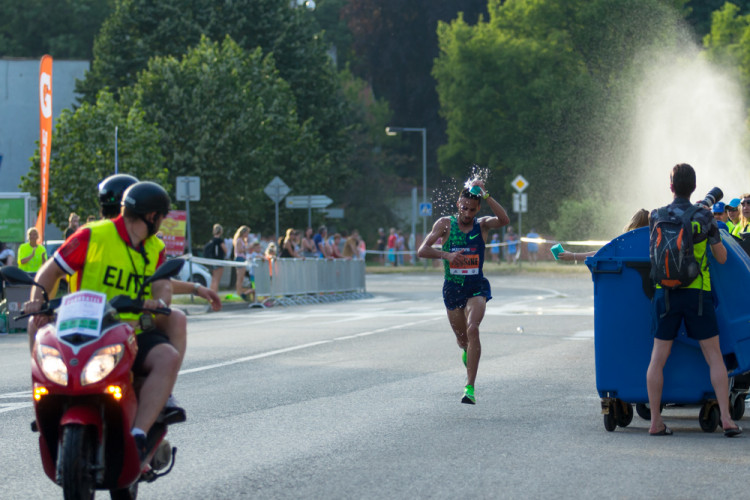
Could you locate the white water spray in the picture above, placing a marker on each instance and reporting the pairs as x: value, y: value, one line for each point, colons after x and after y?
x: 687, y: 111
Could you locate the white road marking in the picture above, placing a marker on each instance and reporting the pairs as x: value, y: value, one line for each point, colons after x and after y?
x: 582, y: 335
x: 4, y: 407
x: 298, y: 347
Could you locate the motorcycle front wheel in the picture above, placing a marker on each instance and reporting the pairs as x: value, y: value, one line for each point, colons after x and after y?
x: 76, y: 458
x: 125, y: 493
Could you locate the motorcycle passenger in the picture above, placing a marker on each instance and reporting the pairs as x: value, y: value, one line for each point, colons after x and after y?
x: 113, y: 257
x: 110, y: 194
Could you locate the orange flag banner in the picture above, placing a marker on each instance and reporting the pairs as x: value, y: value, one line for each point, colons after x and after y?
x: 45, y: 138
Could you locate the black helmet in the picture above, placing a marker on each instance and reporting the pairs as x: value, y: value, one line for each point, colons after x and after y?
x: 145, y: 197
x: 110, y: 193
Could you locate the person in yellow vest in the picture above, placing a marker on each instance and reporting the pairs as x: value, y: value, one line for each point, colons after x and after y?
x: 110, y: 191
x: 113, y: 257
x: 31, y: 255
x: 733, y: 213
x: 743, y: 223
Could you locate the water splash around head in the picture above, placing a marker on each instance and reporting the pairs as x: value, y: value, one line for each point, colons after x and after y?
x: 444, y: 197
x: 477, y: 174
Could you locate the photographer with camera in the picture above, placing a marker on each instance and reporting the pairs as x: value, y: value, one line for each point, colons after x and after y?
x: 685, y: 296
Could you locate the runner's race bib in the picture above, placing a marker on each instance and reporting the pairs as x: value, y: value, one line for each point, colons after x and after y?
x: 468, y: 265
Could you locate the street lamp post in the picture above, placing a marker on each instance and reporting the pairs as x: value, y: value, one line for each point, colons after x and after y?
x: 394, y: 131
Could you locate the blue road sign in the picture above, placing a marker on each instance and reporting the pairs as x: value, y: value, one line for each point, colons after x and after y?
x: 425, y: 209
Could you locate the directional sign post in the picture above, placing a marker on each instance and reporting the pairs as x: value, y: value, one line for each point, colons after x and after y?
x: 188, y: 189
x: 519, y: 199
x: 276, y: 190
x: 309, y: 202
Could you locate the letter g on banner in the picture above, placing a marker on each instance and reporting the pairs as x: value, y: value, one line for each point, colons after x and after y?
x: 45, y: 139
x: 45, y: 94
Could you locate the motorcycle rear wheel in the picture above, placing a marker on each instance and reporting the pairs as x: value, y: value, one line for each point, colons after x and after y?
x: 77, y: 454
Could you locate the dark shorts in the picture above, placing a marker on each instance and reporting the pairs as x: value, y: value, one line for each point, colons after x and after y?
x: 147, y: 341
x: 683, y: 306
x: 456, y: 296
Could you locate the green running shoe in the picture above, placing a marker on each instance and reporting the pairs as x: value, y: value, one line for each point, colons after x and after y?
x: 469, y: 398
x: 463, y: 357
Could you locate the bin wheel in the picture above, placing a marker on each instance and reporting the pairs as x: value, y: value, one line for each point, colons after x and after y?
x: 609, y: 420
x: 709, y: 417
x: 624, y: 414
x: 738, y: 408
x: 643, y: 411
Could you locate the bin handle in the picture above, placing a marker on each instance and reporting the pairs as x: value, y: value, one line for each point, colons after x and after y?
x: 596, y: 269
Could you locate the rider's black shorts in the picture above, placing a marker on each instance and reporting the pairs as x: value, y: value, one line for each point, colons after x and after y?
x: 147, y: 341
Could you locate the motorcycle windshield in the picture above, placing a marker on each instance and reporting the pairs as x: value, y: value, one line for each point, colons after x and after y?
x: 80, y: 314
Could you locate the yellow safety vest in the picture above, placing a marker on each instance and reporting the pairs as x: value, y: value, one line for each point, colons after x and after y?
x: 703, y: 280
x: 35, y: 263
x: 113, y: 267
x: 740, y: 229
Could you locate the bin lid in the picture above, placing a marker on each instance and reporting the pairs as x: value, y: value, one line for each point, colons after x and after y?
x: 628, y: 247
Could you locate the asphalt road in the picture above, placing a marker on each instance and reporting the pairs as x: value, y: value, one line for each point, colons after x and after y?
x: 360, y: 399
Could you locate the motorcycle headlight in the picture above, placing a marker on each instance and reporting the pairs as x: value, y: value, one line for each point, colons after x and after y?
x: 52, y: 364
x: 102, y: 363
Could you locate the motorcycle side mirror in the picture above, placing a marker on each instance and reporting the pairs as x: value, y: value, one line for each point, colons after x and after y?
x: 167, y: 270
x: 16, y: 276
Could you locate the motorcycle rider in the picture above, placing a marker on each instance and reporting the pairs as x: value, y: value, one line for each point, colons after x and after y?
x: 110, y: 198
x: 113, y: 257
x: 110, y: 192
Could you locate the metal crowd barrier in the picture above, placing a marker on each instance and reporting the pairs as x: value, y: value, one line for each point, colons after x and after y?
x: 310, y: 281
x: 303, y: 281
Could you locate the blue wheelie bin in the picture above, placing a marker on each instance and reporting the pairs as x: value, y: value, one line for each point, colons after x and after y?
x: 623, y: 340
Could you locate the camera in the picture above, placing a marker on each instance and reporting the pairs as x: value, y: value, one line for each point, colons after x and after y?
x: 714, y: 195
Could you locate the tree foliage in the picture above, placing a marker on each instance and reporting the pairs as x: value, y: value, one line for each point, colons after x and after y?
x: 227, y: 116
x: 700, y: 12
x: 728, y: 43
x: 82, y: 155
x: 141, y: 29
x: 64, y: 29
x: 538, y: 87
x: 393, y: 47
x: 368, y: 192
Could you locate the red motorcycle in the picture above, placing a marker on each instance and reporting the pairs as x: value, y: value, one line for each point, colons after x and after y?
x: 85, y: 395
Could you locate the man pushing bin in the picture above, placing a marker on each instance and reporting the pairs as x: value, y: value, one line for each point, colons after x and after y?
x: 681, y: 235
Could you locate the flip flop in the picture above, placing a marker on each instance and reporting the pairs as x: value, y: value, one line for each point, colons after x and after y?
x: 666, y: 431
x: 733, y: 432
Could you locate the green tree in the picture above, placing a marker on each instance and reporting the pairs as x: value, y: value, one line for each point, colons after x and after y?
x: 227, y: 116
x: 700, y: 12
x: 141, y: 29
x: 367, y: 195
x: 82, y: 155
x: 394, y: 44
x: 728, y: 43
x: 64, y: 29
x: 541, y: 86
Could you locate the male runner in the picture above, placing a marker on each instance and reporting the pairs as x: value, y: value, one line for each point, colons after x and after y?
x: 465, y: 290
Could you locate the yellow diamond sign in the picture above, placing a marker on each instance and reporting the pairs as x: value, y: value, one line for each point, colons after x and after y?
x: 519, y: 183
